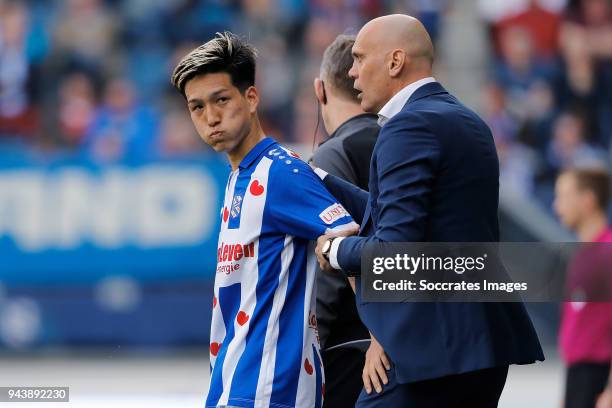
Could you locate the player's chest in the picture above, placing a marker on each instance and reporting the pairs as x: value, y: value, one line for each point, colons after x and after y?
x: 244, y: 202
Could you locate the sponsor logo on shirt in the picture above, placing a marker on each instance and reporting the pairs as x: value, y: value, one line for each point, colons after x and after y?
x: 229, y: 255
x: 235, y: 252
x: 333, y: 213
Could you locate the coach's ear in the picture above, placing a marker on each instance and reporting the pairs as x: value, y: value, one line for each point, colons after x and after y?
x: 319, y: 89
x: 397, y: 60
x: 252, y: 97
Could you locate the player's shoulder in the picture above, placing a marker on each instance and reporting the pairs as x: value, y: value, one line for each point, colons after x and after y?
x: 288, y: 173
x: 286, y: 162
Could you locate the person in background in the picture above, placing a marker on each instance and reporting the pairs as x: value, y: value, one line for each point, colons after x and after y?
x: 19, y: 76
x: 570, y: 145
x: 582, y: 197
x: 122, y: 127
x: 346, y: 154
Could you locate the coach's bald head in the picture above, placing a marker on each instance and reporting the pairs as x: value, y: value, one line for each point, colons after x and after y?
x: 390, y: 52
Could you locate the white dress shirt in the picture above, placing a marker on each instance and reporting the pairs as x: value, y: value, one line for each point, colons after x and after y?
x: 397, y: 102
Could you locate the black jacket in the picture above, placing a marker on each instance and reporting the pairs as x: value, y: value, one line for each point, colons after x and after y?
x: 345, y: 154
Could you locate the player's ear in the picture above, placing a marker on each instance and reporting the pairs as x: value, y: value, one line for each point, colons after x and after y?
x: 319, y: 89
x: 252, y: 97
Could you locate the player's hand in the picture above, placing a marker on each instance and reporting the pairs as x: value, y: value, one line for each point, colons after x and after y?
x: 376, y: 364
x: 605, y: 399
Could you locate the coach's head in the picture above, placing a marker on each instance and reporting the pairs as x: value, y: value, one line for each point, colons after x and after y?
x: 217, y: 79
x: 389, y: 53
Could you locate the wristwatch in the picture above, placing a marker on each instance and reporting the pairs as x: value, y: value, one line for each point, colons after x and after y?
x: 327, y: 248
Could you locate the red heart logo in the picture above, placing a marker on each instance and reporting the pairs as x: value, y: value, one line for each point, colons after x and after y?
x: 256, y: 188
x: 242, y: 318
x: 225, y: 214
x: 214, y: 348
x: 308, y: 367
x: 214, y: 301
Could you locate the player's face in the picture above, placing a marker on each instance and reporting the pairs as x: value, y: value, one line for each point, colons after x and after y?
x: 369, y: 73
x: 568, y: 201
x: 222, y: 114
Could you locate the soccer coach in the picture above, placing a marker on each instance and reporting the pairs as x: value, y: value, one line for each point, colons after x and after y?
x: 434, y: 177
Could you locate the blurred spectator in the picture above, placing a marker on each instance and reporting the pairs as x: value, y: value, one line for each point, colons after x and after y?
x: 121, y: 127
x: 494, y: 11
x: 503, y: 125
x: 516, y: 161
x: 178, y: 136
x: 569, y: 146
x: 541, y: 23
x: 585, y: 80
x: 198, y: 21
x: 76, y: 108
x: 18, y: 113
x: 85, y: 35
x: 320, y: 32
x: 518, y: 68
x: 540, y: 111
x: 306, y: 114
x: 275, y: 82
x: 429, y: 12
x: 590, y: 22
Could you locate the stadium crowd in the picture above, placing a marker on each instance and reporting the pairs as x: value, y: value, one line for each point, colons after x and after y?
x: 92, y: 75
x: 548, y: 100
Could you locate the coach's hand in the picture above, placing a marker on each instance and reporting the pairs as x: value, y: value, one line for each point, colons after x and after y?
x: 324, y: 263
x: 374, y: 370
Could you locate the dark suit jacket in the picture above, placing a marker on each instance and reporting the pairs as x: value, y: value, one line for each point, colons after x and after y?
x: 434, y: 177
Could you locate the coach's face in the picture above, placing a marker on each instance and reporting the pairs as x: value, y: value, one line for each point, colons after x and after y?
x: 221, y: 113
x: 369, y: 72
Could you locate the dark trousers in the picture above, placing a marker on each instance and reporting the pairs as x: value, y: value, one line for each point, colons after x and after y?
x: 343, y: 383
x: 476, y: 389
x: 583, y: 384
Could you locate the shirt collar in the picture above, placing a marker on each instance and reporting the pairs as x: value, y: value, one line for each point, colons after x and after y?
x: 255, y: 152
x: 350, y: 121
x: 397, y: 102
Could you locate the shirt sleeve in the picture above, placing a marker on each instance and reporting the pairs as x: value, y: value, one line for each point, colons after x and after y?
x: 299, y: 204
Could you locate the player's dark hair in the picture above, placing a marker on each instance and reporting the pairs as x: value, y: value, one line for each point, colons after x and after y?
x: 225, y: 53
x: 336, y: 64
